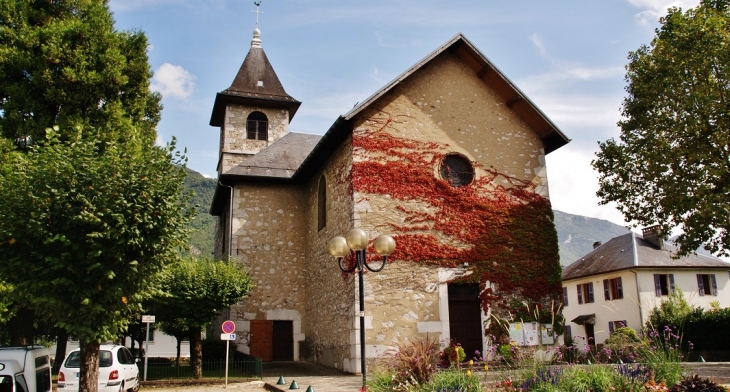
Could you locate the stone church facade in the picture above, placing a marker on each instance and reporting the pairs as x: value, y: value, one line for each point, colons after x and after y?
x: 448, y: 158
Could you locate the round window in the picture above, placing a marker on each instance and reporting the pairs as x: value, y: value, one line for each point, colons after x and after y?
x: 457, y: 170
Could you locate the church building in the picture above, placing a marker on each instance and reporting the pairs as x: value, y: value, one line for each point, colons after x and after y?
x: 448, y: 159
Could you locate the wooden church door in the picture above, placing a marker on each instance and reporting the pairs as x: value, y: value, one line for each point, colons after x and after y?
x: 465, y: 317
x: 261, y: 339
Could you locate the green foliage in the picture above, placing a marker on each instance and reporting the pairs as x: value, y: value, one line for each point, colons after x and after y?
x: 595, y: 378
x: 64, y: 64
x: 664, y: 356
x: 202, y: 226
x: 86, y: 226
x: 194, y: 290
x: 671, y: 313
x: 452, y: 355
x: 624, y: 344
x: 696, y: 384
x: 455, y: 380
x: 701, y: 326
x: 670, y: 165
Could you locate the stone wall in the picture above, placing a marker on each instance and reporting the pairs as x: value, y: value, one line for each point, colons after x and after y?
x: 235, y: 147
x: 330, y: 324
x: 269, y: 226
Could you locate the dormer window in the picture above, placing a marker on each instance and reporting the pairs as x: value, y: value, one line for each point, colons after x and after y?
x: 257, y: 126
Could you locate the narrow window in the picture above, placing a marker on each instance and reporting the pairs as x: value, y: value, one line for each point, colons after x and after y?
x: 257, y: 126
x: 614, y: 325
x: 612, y: 289
x: 707, y: 284
x: 565, y: 296
x: 568, y: 334
x: 663, y: 284
x: 580, y: 294
x: 322, y: 204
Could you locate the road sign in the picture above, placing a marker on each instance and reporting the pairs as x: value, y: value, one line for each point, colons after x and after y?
x: 148, y: 319
x: 228, y: 336
x: 228, y: 326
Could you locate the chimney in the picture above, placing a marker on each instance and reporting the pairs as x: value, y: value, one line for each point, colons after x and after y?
x: 596, y: 244
x: 653, y: 235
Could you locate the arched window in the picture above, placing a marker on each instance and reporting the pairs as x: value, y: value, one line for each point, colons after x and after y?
x: 322, y: 204
x: 257, y: 126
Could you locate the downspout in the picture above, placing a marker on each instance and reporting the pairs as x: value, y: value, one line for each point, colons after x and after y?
x: 230, y: 234
x: 636, y: 277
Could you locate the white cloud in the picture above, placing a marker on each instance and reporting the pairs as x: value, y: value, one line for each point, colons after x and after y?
x: 159, y: 141
x: 173, y: 81
x: 573, y: 184
x: 537, y: 41
x: 653, y: 9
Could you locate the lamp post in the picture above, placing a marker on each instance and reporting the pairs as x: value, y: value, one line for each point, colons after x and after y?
x: 356, y: 240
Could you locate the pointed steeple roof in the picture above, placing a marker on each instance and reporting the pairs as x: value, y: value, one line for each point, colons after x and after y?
x: 255, y: 84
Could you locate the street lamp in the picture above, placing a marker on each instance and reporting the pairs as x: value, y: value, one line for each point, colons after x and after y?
x: 356, y: 240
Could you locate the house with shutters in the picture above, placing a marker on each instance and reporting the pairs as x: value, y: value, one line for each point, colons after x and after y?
x: 448, y: 159
x: 621, y: 281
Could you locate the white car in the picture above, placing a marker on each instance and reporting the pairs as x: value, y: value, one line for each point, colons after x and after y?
x: 117, y: 370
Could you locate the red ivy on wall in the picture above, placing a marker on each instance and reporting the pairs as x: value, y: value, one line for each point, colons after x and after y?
x: 497, y: 224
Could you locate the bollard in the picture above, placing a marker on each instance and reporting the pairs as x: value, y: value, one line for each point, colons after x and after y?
x: 294, y: 385
x: 309, y: 389
x: 281, y: 381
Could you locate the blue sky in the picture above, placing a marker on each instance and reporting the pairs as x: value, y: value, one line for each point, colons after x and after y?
x: 567, y: 56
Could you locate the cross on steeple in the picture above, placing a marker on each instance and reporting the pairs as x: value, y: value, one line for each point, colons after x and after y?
x: 257, y: 11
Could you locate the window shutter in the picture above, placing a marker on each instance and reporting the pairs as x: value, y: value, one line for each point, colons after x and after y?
x: 568, y: 332
x: 700, y: 286
x: 671, y: 283
x: 610, y: 327
x: 580, y: 294
x: 590, y: 298
x: 620, y: 288
x: 606, y: 290
x: 565, y: 296
x: 714, y: 284
x: 251, y: 129
x: 658, y: 285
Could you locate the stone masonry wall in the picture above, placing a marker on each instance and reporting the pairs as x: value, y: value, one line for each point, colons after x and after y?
x: 235, y: 147
x: 269, y: 238
x: 331, y: 299
x: 443, y: 102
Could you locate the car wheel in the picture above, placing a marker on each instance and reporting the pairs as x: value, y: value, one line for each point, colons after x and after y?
x: 136, y: 386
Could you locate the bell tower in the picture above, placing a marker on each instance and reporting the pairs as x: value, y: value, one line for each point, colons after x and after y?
x: 254, y: 111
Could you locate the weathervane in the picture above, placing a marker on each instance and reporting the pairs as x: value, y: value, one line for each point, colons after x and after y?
x: 257, y: 11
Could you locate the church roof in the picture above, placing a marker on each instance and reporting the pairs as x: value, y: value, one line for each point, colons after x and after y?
x: 630, y: 251
x: 255, y: 83
x: 280, y: 159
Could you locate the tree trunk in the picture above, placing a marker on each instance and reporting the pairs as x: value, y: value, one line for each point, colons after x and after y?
x: 61, y: 343
x: 20, y: 327
x: 89, y: 372
x: 177, y: 359
x: 196, y: 352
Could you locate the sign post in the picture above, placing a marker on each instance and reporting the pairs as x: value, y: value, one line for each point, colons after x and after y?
x: 228, y: 328
x: 147, y: 320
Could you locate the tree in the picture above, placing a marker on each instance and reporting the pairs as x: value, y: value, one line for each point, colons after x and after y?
x: 64, y: 64
x: 194, y: 291
x: 670, y: 166
x: 85, y: 229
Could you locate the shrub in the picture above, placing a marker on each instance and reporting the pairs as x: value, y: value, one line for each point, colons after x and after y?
x: 455, y: 380
x: 452, y: 355
x: 624, y: 344
x: 408, y: 365
x: 695, y: 383
x: 664, y: 356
